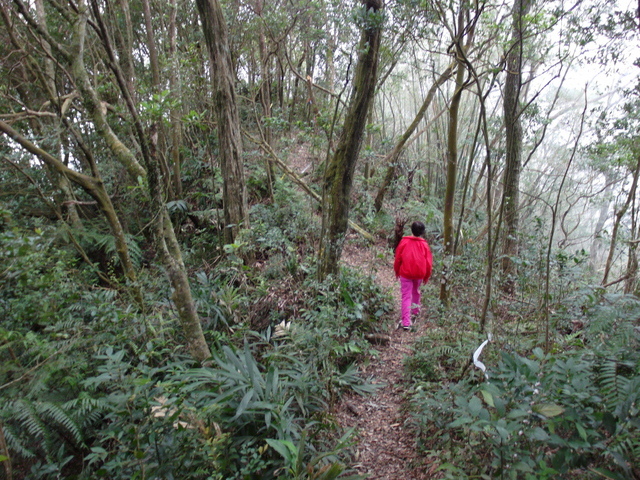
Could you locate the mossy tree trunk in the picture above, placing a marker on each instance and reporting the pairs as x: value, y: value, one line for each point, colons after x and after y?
x: 450, y: 188
x: 171, y: 256
x: 513, y: 153
x: 234, y: 191
x: 338, y: 177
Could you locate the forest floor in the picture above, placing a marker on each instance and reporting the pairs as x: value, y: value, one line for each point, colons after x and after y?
x: 386, y: 440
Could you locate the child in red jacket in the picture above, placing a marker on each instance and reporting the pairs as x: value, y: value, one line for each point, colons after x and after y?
x: 412, y: 265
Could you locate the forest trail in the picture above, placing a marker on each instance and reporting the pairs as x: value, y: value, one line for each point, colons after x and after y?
x: 385, y: 447
x: 385, y: 438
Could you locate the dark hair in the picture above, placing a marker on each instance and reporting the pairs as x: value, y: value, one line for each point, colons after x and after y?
x: 417, y: 228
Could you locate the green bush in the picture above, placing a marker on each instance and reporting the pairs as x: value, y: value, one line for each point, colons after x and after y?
x: 544, y: 415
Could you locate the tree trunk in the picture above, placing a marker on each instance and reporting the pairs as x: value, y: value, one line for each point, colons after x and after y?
x: 452, y: 170
x: 616, y: 225
x: 513, y: 131
x: 93, y: 104
x: 234, y: 193
x: 596, y: 244
x: 631, y: 276
x: 171, y: 256
x: 265, y: 94
x: 124, y: 42
x: 68, y: 203
x: 151, y: 44
x: 176, y: 90
x: 338, y: 177
x: 157, y: 87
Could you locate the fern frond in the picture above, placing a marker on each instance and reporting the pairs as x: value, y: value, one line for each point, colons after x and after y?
x: 25, y: 413
x: 86, y: 411
x: 66, y: 325
x: 629, y: 449
x: 58, y: 415
x: 612, y: 384
x: 106, y: 242
x: 14, y: 443
x: 443, y: 351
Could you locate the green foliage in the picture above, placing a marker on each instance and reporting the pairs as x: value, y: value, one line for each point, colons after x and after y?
x: 34, y: 284
x: 440, y: 355
x: 146, y: 429
x: 331, y: 328
x: 544, y: 416
x: 102, y: 247
x: 320, y: 467
x: 255, y: 403
x: 280, y: 227
x: 109, y: 393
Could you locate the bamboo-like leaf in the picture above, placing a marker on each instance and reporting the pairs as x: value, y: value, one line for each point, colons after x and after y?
x: 244, y: 404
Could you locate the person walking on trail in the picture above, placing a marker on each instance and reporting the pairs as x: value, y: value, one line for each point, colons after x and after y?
x: 413, y: 263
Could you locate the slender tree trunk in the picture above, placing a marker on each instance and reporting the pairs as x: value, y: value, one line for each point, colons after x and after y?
x: 68, y: 203
x: 124, y: 43
x: 171, y: 256
x: 616, y: 224
x: 338, y: 177
x: 151, y: 44
x: 265, y: 93
x: 596, y: 243
x: 366, y: 174
x: 631, y: 280
x: 294, y: 94
x: 176, y: 94
x: 93, y: 104
x: 554, y: 217
x: 234, y: 191
x: 488, y: 286
x: 513, y: 127
x: 157, y: 87
x: 452, y: 170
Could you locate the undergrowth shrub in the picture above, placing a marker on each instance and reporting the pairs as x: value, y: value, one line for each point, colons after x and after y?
x: 94, y: 388
x: 331, y: 327
x: 440, y: 356
x: 281, y: 232
x: 566, y: 414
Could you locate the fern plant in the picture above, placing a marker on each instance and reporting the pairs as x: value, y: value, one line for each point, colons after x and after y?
x: 39, y: 429
x: 95, y: 241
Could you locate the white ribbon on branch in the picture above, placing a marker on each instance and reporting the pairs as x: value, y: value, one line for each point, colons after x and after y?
x: 476, y: 356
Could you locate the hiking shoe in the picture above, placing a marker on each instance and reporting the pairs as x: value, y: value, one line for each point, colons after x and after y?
x: 406, y: 328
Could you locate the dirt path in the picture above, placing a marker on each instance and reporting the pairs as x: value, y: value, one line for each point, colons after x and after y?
x: 386, y: 443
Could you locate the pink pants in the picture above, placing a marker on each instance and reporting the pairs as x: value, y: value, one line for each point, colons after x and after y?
x: 410, y: 290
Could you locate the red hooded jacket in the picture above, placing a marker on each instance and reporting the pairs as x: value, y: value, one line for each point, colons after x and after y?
x: 413, y: 259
